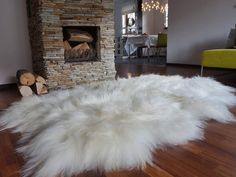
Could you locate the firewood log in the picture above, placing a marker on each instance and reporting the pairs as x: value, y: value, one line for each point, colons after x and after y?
x: 66, y: 45
x: 25, y: 77
x: 25, y: 90
x: 39, y: 88
x: 80, y: 36
x: 82, y: 47
x: 39, y: 79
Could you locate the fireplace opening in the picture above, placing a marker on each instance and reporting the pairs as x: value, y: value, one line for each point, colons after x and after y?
x: 81, y: 43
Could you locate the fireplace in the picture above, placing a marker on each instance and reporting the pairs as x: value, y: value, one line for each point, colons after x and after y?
x: 72, y: 41
x: 81, y: 43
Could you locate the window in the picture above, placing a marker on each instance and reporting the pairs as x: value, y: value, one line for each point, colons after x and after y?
x: 128, y: 23
x: 166, y: 16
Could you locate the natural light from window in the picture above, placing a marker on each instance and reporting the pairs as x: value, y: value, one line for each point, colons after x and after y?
x: 166, y: 16
x: 128, y: 23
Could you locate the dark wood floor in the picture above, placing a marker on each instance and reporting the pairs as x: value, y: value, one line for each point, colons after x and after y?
x: 213, y: 157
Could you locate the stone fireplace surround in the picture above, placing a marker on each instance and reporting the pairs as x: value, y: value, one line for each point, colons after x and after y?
x: 46, y: 21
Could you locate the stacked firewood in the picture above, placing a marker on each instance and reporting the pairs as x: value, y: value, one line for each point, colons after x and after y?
x: 30, y: 83
x: 81, y: 47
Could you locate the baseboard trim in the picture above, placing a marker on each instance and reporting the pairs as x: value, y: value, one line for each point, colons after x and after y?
x: 199, y: 66
x: 8, y: 86
x: 181, y: 65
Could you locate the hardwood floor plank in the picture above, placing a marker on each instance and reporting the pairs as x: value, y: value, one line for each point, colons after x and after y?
x: 222, y: 142
x: 176, y: 164
x: 218, y: 128
x: 209, y: 152
x: 154, y: 170
x: 131, y: 173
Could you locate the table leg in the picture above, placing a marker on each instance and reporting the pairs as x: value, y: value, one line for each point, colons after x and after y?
x: 129, y: 52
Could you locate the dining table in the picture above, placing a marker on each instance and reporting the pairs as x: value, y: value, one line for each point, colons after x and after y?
x: 133, y: 42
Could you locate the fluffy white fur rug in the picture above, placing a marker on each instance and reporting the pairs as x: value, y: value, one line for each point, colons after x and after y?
x: 115, y: 124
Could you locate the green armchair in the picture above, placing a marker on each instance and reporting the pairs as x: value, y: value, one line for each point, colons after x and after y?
x: 161, y: 43
x: 219, y: 58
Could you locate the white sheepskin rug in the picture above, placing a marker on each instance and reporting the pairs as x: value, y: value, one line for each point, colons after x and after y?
x: 116, y: 124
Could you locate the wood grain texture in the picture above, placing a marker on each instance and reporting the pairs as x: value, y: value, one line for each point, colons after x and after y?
x: 213, y: 157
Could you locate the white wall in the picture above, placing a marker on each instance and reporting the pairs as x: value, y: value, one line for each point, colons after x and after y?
x: 198, y: 25
x: 15, y: 50
x: 154, y: 20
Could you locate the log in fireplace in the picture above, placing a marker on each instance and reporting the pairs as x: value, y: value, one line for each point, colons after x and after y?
x: 81, y: 43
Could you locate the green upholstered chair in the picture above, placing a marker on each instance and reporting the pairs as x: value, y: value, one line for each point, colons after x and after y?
x: 161, y: 43
x: 219, y: 58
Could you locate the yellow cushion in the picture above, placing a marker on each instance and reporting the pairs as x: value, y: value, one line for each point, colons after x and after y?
x: 219, y: 58
x: 162, y: 40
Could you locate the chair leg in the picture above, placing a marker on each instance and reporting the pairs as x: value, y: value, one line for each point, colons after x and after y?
x: 158, y: 51
x: 148, y: 53
x: 129, y: 52
x: 201, y: 71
